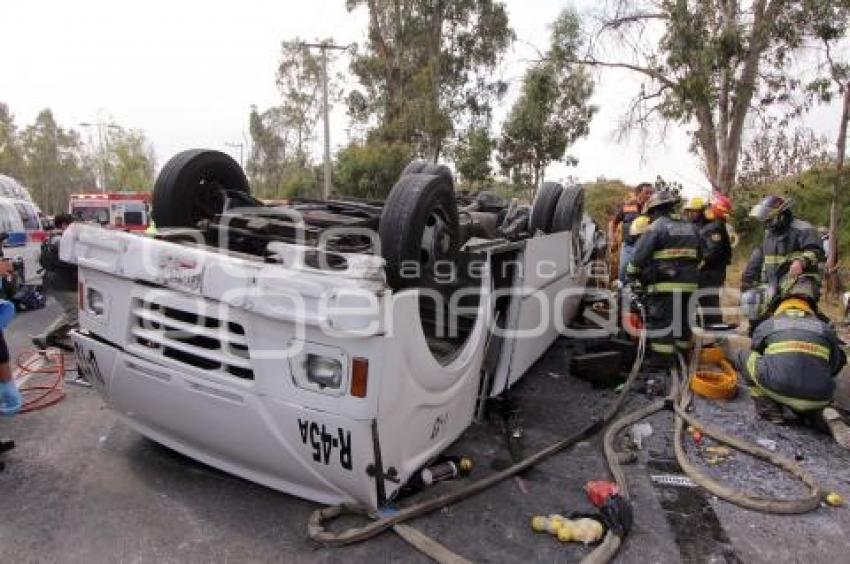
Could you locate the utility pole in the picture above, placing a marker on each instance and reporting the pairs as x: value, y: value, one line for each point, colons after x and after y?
x: 324, y: 47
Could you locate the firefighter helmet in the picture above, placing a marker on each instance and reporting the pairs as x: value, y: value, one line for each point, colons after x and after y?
x: 697, y: 203
x: 662, y: 198
x: 640, y: 226
x: 770, y: 207
x: 721, y: 205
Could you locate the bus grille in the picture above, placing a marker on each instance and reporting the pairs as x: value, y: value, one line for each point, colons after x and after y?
x: 190, y: 337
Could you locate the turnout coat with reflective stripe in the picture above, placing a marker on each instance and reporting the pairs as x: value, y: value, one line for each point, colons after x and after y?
x: 799, y: 240
x: 800, y: 355
x: 667, y: 257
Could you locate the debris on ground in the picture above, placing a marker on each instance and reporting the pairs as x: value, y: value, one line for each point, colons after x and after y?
x: 696, y: 435
x: 675, y: 480
x: 769, y: 444
x: 834, y: 499
x: 638, y: 432
x: 714, y: 455
x: 601, y: 369
x: 583, y: 529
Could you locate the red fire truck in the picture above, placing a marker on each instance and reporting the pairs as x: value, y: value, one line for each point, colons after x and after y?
x: 127, y: 211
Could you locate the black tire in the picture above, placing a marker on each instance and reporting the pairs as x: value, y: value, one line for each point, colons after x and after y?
x: 440, y: 170
x: 190, y: 187
x: 543, y: 207
x: 419, y: 223
x: 416, y: 166
x: 569, y: 210
x: 421, y: 166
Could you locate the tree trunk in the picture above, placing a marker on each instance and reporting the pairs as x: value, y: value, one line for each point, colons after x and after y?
x: 436, y: 149
x: 391, y: 69
x: 833, y: 281
x: 707, y: 139
x: 435, y: 71
x: 764, y: 15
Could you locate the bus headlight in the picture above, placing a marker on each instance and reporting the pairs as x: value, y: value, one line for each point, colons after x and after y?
x: 323, y: 371
x: 95, y: 302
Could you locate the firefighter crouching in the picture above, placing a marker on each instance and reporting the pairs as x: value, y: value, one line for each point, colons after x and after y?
x: 794, y: 358
x: 627, y: 213
x: 785, y: 238
x: 716, y: 252
x: 665, y: 266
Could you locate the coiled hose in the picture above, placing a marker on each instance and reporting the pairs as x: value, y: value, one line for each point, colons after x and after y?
x: 53, y: 363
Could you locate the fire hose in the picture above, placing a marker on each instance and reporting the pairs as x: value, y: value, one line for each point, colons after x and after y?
x: 316, y: 524
x: 54, y: 364
x: 678, y: 400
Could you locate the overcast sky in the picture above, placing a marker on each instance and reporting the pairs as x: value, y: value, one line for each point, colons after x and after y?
x: 187, y: 71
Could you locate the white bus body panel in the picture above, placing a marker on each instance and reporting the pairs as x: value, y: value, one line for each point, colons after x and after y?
x: 201, y: 351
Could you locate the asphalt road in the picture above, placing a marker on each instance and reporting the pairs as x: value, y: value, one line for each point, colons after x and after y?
x: 27, y: 324
x: 82, y: 487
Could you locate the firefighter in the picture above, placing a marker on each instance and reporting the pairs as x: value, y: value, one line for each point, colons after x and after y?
x: 665, y: 265
x: 716, y: 252
x: 694, y: 210
x: 794, y: 358
x: 785, y: 238
x: 627, y: 213
x: 60, y: 280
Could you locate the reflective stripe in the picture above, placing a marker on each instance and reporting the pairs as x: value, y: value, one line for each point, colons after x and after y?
x: 673, y: 287
x: 683, y: 344
x: 809, y: 256
x: 784, y: 347
x: 774, y: 259
x: 752, y: 368
x: 662, y: 348
x: 758, y: 390
x: 796, y: 404
x: 631, y: 269
x: 668, y: 254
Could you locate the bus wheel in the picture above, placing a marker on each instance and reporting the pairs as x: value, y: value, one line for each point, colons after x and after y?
x: 195, y: 185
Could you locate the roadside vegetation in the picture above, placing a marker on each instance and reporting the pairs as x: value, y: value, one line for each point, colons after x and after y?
x: 56, y: 161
